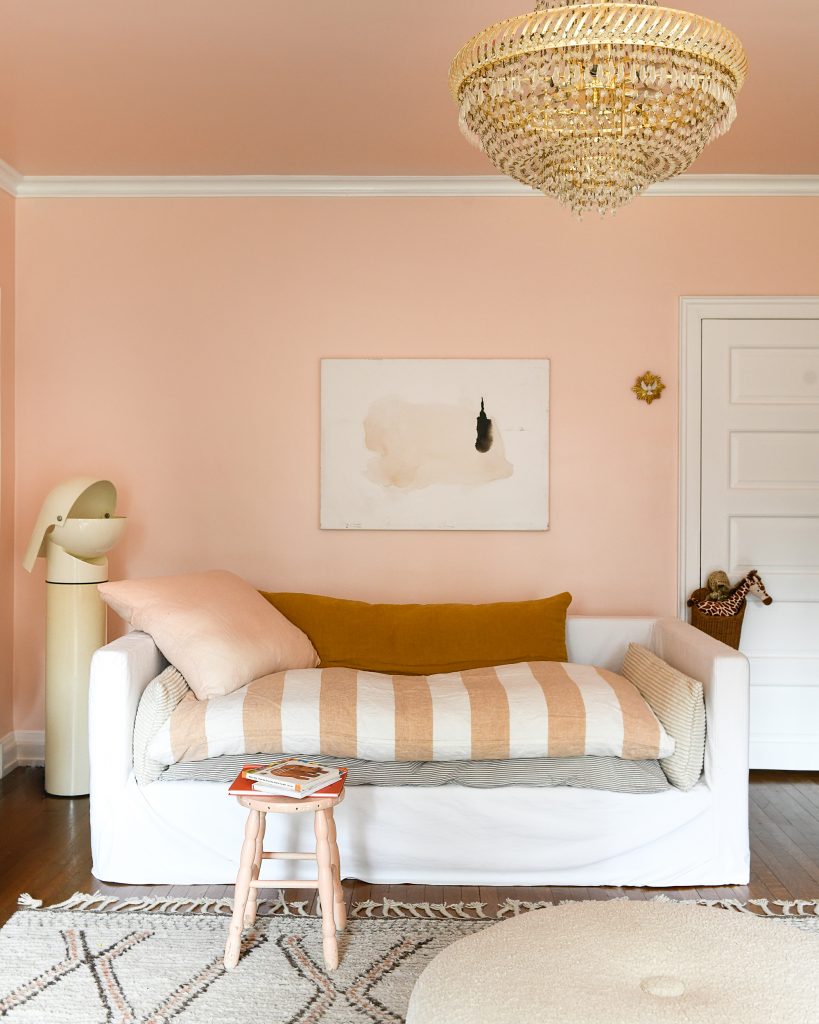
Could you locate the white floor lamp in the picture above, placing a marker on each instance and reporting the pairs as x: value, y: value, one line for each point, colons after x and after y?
x: 75, y: 529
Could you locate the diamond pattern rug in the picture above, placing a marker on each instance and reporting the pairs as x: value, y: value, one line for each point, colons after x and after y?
x: 152, y: 968
x: 123, y: 966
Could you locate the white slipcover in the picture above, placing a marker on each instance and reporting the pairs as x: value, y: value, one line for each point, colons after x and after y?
x: 185, y: 833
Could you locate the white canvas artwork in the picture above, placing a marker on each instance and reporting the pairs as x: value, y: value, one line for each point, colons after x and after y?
x: 435, y: 444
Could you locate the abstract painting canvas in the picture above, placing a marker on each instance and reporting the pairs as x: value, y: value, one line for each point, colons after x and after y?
x: 435, y: 444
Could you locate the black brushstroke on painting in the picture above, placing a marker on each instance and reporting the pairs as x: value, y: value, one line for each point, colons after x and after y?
x: 483, y: 442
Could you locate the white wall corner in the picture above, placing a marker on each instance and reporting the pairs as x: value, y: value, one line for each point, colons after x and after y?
x: 21, y: 749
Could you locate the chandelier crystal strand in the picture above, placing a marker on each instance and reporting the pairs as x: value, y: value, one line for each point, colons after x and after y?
x: 593, y: 102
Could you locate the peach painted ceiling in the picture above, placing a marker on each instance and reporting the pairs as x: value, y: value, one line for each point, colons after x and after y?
x: 327, y: 87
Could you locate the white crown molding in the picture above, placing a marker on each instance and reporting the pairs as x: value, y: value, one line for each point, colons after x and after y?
x: 21, y: 748
x: 9, y: 178
x: 753, y: 185
x: 321, y: 186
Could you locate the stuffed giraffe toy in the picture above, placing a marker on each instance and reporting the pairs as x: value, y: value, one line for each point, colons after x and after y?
x: 730, y: 604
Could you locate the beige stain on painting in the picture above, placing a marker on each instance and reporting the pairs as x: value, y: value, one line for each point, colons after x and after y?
x: 419, y: 444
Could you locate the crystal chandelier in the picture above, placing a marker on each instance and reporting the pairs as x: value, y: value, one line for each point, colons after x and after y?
x: 592, y: 102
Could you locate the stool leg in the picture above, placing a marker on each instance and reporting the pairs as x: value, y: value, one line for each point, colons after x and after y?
x: 326, y: 890
x: 340, y: 905
x: 252, y: 900
x: 240, y: 894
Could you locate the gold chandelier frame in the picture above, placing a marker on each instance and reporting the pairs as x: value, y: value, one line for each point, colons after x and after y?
x: 566, y: 28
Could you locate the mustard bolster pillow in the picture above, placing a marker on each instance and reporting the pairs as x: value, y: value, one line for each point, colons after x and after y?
x: 422, y: 639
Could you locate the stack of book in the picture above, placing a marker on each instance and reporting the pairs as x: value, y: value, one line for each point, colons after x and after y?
x: 293, y: 777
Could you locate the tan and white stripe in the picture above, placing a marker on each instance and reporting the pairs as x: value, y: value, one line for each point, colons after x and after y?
x: 300, y: 710
x: 338, y: 704
x: 528, y: 710
x: 375, y: 718
x: 413, y: 717
x: 567, y: 710
x: 536, y: 709
x: 451, y: 718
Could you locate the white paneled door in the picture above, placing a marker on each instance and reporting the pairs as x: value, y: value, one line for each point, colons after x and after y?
x: 759, y: 458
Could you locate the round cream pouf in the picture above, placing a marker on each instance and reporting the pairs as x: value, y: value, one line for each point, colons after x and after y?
x: 621, y: 962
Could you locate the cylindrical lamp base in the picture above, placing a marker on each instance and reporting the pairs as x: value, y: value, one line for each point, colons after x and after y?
x: 75, y: 628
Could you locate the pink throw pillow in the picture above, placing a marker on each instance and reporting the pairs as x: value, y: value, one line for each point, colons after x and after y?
x: 213, y: 626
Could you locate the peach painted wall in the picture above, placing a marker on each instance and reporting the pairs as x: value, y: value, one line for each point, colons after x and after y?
x: 174, y: 346
x: 6, y: 458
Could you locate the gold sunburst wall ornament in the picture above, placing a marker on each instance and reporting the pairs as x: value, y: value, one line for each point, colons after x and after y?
x: 593, y: 102
x: 648, y: 387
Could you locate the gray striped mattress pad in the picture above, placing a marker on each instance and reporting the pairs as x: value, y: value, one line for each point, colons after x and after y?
x: 605, y: 773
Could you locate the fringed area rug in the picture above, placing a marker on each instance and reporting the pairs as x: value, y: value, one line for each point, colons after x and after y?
x: 98, y: 960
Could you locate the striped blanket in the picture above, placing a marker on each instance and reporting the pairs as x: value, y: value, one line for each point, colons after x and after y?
x: 531, y: 709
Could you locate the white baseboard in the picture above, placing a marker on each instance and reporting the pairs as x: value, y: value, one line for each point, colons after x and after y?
x: 22, y: 748
x: 797, y: 753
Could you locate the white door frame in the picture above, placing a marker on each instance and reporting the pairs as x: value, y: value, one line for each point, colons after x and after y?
x: 693, y: 310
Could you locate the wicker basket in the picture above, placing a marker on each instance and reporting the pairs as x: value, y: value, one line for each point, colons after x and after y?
x: 727, y: 628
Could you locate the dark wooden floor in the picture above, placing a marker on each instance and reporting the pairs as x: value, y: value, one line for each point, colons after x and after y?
x: 44, y: 850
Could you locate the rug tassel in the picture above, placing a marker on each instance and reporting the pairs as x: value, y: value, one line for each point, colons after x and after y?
x: 516, y: 907
x: 85, y: 901
x: 786, y: 907
x: 98, y: 902
x: 388, y: 909
x: 26, y: 900
x: 392, y: 909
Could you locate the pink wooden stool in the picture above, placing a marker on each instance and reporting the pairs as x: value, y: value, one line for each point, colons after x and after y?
x: 328, y: 883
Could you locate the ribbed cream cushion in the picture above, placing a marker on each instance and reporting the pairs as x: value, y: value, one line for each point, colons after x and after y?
x: 158, y: 700
x: 678, y: 702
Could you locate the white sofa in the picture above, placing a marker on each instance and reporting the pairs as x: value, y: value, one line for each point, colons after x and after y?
x: 180, y: 833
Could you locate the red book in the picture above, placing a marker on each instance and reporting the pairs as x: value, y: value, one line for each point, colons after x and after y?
x: 243, y: 786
